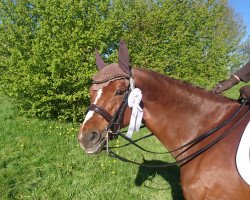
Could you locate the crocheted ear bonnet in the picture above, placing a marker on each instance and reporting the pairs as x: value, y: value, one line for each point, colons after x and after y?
x: 109, y: 73
x: 113, y: 71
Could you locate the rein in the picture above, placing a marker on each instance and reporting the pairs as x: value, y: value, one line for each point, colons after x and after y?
x: 187, y: 159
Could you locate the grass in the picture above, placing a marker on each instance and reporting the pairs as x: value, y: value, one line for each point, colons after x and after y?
x: 234, y: 91
x: 42, y: 160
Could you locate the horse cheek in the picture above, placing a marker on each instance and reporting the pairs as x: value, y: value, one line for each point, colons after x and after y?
x: 126, y: 118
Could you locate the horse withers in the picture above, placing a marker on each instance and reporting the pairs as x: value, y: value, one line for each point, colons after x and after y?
x: 176, y: 113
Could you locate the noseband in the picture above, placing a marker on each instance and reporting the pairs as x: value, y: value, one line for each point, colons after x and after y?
x: 101, y: 111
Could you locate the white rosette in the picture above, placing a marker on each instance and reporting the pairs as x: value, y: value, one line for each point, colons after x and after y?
x: 134, y: 100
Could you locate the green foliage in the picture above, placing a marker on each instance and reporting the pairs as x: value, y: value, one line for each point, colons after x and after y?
x: 50, y: 58
x: 47, y: 59
x: 192, y: 40
x: 246, y: 49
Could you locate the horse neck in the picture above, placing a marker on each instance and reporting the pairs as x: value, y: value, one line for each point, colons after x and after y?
x: 177, y: 112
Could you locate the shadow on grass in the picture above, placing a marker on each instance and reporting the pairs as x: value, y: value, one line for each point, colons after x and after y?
x: 170, y: 174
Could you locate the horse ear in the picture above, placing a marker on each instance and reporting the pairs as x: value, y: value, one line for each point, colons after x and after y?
x: 123, y: 57
x: 99, y: 61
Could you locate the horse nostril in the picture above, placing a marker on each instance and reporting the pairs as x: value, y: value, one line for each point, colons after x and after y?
x: 93, y: 137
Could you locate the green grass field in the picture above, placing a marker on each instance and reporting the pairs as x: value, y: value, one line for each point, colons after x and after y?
x: 42, y: 160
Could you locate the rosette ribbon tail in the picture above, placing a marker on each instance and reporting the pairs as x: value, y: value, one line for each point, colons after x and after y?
x: 134, y: 100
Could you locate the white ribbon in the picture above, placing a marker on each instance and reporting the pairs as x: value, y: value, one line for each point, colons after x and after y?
x: 134, y: 100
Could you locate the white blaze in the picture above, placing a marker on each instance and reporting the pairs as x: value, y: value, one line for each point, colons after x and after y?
x: 90, y: 113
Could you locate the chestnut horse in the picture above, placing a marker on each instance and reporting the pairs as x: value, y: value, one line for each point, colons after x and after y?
x: 176, y: 113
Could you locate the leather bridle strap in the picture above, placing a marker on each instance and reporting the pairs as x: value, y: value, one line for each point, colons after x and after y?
x: 116, y: 122
x: 100, y: 111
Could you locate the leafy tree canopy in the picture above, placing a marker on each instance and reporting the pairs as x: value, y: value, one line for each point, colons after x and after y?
x: 246, y: 49
x: 47, y: 47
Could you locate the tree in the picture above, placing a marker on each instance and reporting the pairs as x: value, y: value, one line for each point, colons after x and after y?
x: 192, y: 40
x: 47, y: 47
x: 246, y: 50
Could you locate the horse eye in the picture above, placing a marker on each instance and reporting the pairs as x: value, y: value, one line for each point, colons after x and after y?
x: 120, y: 92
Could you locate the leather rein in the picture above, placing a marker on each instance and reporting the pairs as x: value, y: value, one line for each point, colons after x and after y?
x: 115, y: 123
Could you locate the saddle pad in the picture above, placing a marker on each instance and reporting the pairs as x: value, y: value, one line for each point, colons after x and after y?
x: 243, y: 155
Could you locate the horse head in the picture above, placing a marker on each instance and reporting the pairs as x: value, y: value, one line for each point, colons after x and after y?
x: 107, y: 112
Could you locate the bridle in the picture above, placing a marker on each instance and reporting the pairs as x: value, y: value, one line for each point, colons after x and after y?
x: 115, y: 123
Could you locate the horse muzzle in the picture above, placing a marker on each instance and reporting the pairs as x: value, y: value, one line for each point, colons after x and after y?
x: 92, y: 142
